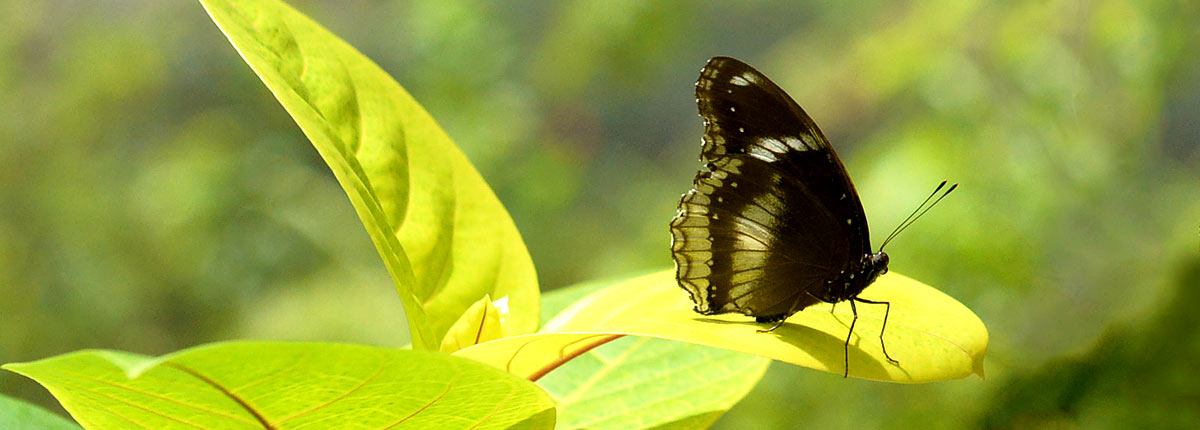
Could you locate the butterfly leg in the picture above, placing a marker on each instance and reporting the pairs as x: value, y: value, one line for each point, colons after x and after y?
x: 846, y: 346
x: 777, y: 325
x: 886, y: 311
x: 789, y: 313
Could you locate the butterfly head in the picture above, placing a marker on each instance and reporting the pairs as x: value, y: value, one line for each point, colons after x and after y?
x: 876, y: 265
x: 854, y: 279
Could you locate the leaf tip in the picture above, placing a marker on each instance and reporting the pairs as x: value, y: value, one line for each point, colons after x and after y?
x: 977, y: 363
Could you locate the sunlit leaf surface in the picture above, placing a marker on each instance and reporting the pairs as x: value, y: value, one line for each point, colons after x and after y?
x: 642, y: 382
x: 443, y: 235
x: 482, y: 322
x: 933, y: 336
x: 288, y: 386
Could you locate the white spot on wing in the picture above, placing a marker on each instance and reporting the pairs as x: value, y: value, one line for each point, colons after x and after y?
x: 763, y: 154
x: 739, y: 81
x: 797, y: 144
x: 774, y: 145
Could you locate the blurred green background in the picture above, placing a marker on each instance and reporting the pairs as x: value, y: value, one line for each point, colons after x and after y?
x: 154, y: 196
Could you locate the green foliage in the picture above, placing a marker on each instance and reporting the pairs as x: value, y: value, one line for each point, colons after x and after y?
x: 18, y: 415
x: 155, y: 198
x: 1156, y: 364
x: 288, y: 386
x: 419, y: 198
x: 443, y: 235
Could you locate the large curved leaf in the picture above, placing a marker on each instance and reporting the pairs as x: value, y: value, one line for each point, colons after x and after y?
x: 277, y: 385
x: 933, y: 336
x: 638, y: 383
x: 647, y: 383
x: 444, y: 237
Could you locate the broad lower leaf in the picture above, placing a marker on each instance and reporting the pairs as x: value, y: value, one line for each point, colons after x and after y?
x: 642, y: 382
x: 443, y: 235
x: 933, y: 336
x: 277, y: 385
x: 18, y: 415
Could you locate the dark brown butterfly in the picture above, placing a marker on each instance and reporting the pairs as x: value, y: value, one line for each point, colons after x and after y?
x: 773, y: 224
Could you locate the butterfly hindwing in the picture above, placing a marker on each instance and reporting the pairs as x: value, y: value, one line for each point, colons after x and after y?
x: 735, y: 244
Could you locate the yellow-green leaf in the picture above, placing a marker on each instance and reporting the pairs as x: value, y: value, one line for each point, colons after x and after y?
x: 443, y: 235
x: 636, y: 383
x: 482, y: 322
x: 18, y: 415
x: 933, y: 336
x: 647, y: 383
x: 278, y: 385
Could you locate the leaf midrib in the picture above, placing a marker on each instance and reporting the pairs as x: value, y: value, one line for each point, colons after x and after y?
x: 598, y: 376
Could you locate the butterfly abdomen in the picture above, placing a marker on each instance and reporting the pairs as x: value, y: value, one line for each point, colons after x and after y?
x: 771, y: 318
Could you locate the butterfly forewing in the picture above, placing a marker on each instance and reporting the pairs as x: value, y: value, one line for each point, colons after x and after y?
x: 746, y: 113
x: 774, y: 214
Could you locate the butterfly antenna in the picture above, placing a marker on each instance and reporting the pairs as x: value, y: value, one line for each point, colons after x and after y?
x: 916, y: 214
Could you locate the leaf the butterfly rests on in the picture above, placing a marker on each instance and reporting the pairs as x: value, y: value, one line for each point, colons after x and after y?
x: 773, y: 223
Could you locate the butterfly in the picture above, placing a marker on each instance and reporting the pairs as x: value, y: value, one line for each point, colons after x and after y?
x: 773, y: 223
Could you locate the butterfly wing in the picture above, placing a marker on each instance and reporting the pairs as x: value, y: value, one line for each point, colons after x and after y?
x: 746, y: 113
x: 774, y: 214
